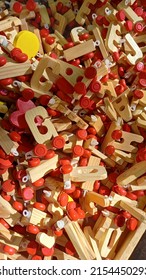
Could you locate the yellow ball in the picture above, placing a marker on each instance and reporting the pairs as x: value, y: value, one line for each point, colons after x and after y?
x: 28, y: 42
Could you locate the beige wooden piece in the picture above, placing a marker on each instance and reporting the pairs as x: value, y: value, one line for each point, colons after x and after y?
x: 60, y: 37
x: 96, y: 198
x: 102, y: 70
x: 14, y: 69
x: 130, y: 14
x: 8, y: 212
x: 127, y: 139
x: 53, y: 183
x: 108, y: 140
x: 44, y: 15
x: 51, y: 196
x: 16, y: 257
x: 60, y: 255
x: 121, y: 105
x: 15, y: 241
x: 93, y: 243
x: 102, y: 224
x: 45, y: 240
x: 130, y: 242
x: 97, y: 123
x: 110, y: 239
x: 108, y: 88
x: 98, y: 38
x: 112, y: 41
x: 30, y: 116
x: 79, y: 240
x: 137, y: 188
x: 109, y: 110
x: 88, y: 185
x: 62, y: 240
x: 70, y: 141
x: 90, y: 173
x: 46, y: 222
x: 3, y: 256
x: 61, y: 23
x: 49, y: 48
x: 131, y: 174
x: 24, y: 25
x: 142, y: 101
x: 62, y: 124
x: 136, y: 51
x: 43, y: 64
x: 9, y: 22
x: 84, y: 11
x: 11, y: 33
x: 3, y: 14
x: 5, y: 232
x: 97, y: 153
x: 24, y: 16
x: 115, y: 200
x: 52, y: 5
x: 141, y: 120
x: 110, y: 13
x: 141, y: 181
x: 6, y: 143
x: 57, y: 103
x: 37, y: 216
x: 37, y: 33
x: 127, y: 157
x: 55, y: 210
x: 79, y: 50
x: 76, y: 72
x: 75, y: 33
x: 69, y: 15
x: 135, y: 212
x: 45, y: 167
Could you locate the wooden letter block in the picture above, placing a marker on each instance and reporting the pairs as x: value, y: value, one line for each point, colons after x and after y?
x: 136, y: 51
x: 96, y: 198
x: 130, y: 14
x: 61, y: 23
x: 84, y: 11
x: 6, y: 143
x: 30, y: 116
x: 113, y: 38
x: 8, y: 213
x: 121, y: 105
x: 131, y: 174
x: 79, y: 50
x: 81, y: 174
x: 42, y: 66
x: 44, y: 167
